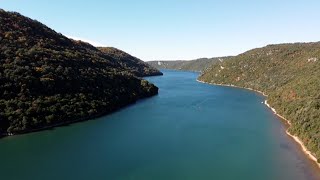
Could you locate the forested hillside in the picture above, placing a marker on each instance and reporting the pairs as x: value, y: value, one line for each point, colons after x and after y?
x: 47, y: 79
x: 289, y: 74
x: 197, y: 65
x: 135, y: 65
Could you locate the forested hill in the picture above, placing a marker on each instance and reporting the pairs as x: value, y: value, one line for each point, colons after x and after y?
x: 47, y: 79
x: 289, y: 74
x: 135, y: 65
x: 198, y: 65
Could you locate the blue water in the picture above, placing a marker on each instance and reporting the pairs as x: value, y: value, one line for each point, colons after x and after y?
x: 189, y: 131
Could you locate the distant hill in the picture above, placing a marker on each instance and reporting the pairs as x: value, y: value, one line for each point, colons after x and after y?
x: 135, y: 65
x: 198, y: 65
x: 48, y: 79
x: 289, y: 74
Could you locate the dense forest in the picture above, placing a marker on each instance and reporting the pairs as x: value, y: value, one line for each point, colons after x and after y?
x: 197, y: 65
x: 289, y: 74
x: 47, y: 79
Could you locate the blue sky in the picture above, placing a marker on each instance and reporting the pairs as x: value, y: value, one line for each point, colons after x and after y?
x: 178, y: 29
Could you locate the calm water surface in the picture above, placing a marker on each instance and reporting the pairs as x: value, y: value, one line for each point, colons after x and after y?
x: 189, y: 131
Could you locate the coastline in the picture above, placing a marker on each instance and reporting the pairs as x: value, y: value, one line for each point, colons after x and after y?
x: 231, y: 85
x: 295, y: 138
x: 275, y: 112
x: 52, y: 126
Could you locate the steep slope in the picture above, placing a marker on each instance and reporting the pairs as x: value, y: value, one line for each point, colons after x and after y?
x: 198, y: 65
x: 135, y: 65
x: 47, y: 79
x: 289, y: 74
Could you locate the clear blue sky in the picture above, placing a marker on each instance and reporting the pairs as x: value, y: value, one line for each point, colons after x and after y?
x: 178, y: 29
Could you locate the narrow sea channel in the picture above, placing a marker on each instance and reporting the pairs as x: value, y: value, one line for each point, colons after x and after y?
x: 189, y: 131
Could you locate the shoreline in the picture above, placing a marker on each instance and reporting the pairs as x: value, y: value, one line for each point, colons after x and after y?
x: 275, y: 112
x: 231, y: 85
x: 295, y: 138
x: 50, y: 127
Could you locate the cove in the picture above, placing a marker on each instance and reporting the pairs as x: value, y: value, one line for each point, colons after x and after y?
x: 189, y: 131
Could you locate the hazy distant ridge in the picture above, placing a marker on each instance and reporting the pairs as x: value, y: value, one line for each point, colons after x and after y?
x: 198, y: 65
